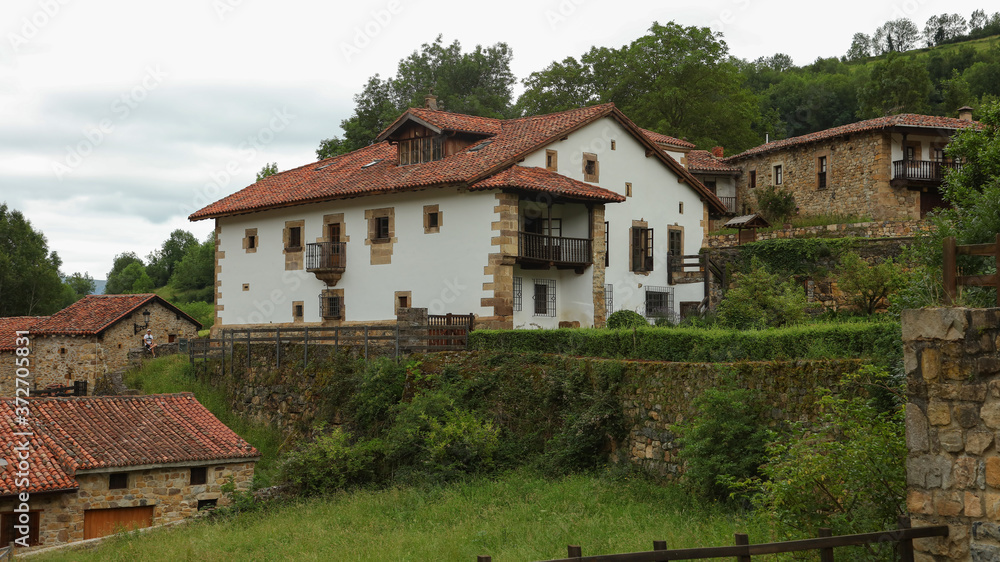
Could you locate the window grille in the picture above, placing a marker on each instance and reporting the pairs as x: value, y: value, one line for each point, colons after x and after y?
x: 659, y: 302
x: 331, y: 307
x: 518, y: 301
x: 609, y: 298
x: 545, y: 297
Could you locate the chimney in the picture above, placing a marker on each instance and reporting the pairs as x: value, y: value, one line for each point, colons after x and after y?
x: 430, y: 102
x: 717, y: 151
x: 965, y: 113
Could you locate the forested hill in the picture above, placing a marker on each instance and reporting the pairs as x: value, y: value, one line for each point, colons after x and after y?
x: 683, y: 81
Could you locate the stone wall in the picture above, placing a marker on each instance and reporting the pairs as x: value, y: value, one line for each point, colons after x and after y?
x: 168, y: 489
x: 858, y: 175
x: 952, y: 422
x: 663, y: 394
x: 883, y: 229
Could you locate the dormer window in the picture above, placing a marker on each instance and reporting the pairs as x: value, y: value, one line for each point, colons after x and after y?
x: 419, y: 150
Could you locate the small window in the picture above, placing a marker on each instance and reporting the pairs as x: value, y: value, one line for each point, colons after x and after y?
x: 545, y: 297
x: 381, y: 228
x: 711, y: 184
x: 404, y: 301
x: 246, y: 286
x: 659, y: 302
x: 331, y: 307
x: 294, y: 239
x: 778, y: 176
x: 591, y: 168
x: 62, y: 351
x: 680, y: 207
x: 199, y: 475
x: 609, y: 299
x: 251, y: 242
x: 207, y: 504
x: 675, y: 248
x: 297, y: 310
x: 612, y: 144
x: 118, y: 481
x: 432, y: 220
x: 821, y: 172
x: 552, y: 160
x: 753, y: 178
x: 642, y: 249
x: 628, y: 189
x: 517, y: 294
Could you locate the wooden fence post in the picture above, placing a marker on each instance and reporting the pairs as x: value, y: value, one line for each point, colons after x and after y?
x: 277, y: 348
x: 366, y: 343
x: 742, y: 539
x: 905, y: 545
x: 484, y: 559
x: 950, y: 270
x: 825, y: 554
x: 660, y: 545
x: 575, y: 551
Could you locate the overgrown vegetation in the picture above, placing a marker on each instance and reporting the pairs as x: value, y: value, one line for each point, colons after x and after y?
x: 776, y: 205
x: 761, y: 299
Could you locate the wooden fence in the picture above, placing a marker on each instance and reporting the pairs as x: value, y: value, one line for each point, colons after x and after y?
x: 282, y: 344
x: 743, y: 551
x: 951, y: 278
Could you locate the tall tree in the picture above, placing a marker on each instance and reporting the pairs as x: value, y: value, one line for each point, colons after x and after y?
x: 478, y: 82
x: 896, y: 84
x: 677, y: 80
x: 118, y: 282
x: 896, y: 35
x: 943, y: 28
x: 194, y: 276
x: 267, y: 171
x: 82, y: 284
x: 861, y: 47
x: 162, y: 262
x: 29, y: 272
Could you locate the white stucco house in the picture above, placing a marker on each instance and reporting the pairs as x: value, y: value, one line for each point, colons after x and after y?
x: 544, y: 221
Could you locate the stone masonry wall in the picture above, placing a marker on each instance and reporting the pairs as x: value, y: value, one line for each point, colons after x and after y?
x: 952, y: 423
x: 169, y: 489
x: 857, y: 178
x: 883, y: 229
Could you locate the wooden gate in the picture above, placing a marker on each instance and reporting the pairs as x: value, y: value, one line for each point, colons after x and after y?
x: 102, y: 522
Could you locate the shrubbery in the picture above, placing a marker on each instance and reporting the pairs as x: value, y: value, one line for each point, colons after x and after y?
x: 762, y: 299
x: 626, y: 319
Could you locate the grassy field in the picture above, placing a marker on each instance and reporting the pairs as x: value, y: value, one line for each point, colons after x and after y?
x: 514, y: 517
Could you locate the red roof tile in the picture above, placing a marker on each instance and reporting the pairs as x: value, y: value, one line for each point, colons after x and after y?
x: 704, y: 161
x: 95, y: 313
x: 104, y: 432
x: 11, y: 325
x: 446, y: 121
x: 879, y: 123
x: 542, y: 180
x: 347, y: 176
x: 659, y: 138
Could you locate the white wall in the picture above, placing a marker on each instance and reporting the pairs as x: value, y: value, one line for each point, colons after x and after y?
x: 656, y: 195
x: 444, y: 270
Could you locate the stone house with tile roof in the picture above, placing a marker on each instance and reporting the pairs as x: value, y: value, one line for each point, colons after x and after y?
x: 542, y: 221
x: 81, y: 468
x: 887, y: 168
x: 89, y: 338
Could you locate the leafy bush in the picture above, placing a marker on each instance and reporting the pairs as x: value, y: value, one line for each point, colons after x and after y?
x: 846, y: 472
x: 724, y: 441
x: 331, y: 462
x: 761, y: 299
x: 868, y: 284
x: 626, y: 319
x: 776, y: 205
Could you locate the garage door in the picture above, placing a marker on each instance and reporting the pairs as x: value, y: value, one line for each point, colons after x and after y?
x: 101, y: 522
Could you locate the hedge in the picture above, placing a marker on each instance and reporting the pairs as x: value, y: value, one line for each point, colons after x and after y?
x: 880, y: 342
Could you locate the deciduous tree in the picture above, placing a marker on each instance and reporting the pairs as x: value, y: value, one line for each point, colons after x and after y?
x: 29, y: 272
x: 897, y: 84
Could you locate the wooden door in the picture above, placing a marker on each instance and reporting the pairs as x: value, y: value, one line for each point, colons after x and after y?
x: 102, y: 522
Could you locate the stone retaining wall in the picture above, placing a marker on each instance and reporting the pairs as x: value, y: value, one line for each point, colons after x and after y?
x: 883, y: 229
x: 952, y: 424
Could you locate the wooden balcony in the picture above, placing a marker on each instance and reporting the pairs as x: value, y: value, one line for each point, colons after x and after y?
x: 327, y: 261
x: 917, y: 174
x: 538, y: 251
x: 730, y: 203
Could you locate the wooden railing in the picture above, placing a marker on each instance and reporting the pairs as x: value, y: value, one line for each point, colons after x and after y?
x: 951, y: 277
x: 554, y: 249
x: 743, y: 551
x: 922, y: 170
x: 326, y: 256
x: 730, y: 203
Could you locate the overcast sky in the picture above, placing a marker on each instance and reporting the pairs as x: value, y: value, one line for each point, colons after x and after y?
x: 119, y: 118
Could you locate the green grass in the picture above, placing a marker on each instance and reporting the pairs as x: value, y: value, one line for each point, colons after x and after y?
x: 171, y: 374
x: 518, y: 516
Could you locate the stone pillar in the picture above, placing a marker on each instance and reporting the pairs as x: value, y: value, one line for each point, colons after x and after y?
x: 952, y: 418
x: 410, y: 335
x: 598, y: 252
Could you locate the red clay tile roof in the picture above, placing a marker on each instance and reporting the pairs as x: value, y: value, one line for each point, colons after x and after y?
x: 703, y: 161
x: 665, y: 139
x: 879, y: 123
x: 104, y: 432
x: 344, y: 176
x: 12, y: 324
x: 545, y: 181
x: 95, y: 313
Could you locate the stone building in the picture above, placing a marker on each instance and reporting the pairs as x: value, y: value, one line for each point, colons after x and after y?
x: 888, y: 168
x: 89, y: 338
x: 92, y: 465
